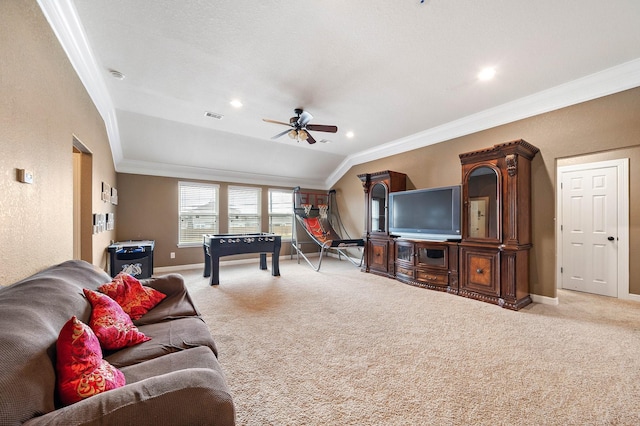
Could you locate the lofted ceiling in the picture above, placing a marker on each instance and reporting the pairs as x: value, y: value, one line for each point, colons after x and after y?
x: 399, y: 74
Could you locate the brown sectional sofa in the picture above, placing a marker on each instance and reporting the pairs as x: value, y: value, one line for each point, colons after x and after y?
x: 174, y: 378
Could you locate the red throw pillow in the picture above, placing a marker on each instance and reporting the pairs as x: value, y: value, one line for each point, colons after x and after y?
x: 111, y: 324
x: 81, y: 370
x: 134, y: 298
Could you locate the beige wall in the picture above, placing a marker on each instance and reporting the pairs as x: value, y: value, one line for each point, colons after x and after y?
x: 42, y: 105
x: 609, y: 126
x: 148, y: 209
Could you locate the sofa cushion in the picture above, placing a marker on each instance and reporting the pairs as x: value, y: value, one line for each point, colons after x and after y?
x: 134, y: 298
x: 199, y: 357
x: 111, y: 324
x: 166, y: 337
x: 81, y: 370
x: 32, y: 312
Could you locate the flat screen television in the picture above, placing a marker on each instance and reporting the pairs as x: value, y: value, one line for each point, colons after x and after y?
x: 426, y: 214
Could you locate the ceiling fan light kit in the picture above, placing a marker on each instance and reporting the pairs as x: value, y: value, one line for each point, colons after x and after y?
x: 300, y: 127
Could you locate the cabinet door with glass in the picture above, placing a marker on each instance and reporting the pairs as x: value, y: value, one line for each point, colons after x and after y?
x: 431, y: 255
x: 379, y: 197
x: 482, y: 218
x: 405, y: 252
x: 378, y: 243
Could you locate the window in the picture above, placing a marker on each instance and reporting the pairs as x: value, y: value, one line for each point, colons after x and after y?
x: 244, y: 209
x: 198, y: 211
x: 280, y: 212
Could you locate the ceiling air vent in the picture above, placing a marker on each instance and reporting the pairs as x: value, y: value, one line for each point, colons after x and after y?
x: 116, y: 74
x: 214, y: 115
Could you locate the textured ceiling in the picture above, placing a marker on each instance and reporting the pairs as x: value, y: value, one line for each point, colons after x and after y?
x: 399, y: 74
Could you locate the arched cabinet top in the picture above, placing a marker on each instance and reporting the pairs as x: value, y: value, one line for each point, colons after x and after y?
x: 518, y: 147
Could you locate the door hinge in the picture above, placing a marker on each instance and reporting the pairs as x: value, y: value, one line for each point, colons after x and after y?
x: 561, y: 269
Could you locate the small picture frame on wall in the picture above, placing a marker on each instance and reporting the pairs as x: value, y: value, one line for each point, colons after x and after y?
x: 114, y: 196
x: 99, y: 222
x: 110, y: 221
x: 106, y: 192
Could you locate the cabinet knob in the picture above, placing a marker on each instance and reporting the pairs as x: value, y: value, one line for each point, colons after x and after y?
x: 479, y: 270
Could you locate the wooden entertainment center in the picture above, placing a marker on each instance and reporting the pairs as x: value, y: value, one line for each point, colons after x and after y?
x: 491, y: 260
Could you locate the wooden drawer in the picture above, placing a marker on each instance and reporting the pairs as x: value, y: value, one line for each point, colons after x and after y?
x: 434, y: 278
x: 402, y: 270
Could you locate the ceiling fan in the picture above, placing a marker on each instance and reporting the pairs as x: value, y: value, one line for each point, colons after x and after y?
x: 300, y: 126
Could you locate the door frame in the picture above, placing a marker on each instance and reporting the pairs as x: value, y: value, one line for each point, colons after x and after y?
x: 83, y: 197
x: 622, y: 173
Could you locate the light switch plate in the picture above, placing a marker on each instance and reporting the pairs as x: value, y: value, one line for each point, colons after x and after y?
x: 25, y: 176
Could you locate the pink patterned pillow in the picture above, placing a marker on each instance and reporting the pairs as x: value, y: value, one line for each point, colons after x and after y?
x: 111, y: 324
x: 80, y: 368
x: 134, y: 298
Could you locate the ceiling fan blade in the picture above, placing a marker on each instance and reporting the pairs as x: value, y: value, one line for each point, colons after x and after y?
x: 322, y: 128
x: 275, y: 122
x: 281, y: 134
x: 310, y: 139
x: 305, y: 117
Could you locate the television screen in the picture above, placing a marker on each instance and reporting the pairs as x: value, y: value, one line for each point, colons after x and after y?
x: 432, y: 213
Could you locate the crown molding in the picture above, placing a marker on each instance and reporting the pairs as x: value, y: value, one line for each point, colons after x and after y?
x: 202, y: 173
x: 612, y: 80
x: 63, y: 19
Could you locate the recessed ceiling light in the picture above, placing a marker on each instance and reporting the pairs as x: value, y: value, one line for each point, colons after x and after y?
x: 350, y: 134
x: 236, y: 103
x: 487, y: 74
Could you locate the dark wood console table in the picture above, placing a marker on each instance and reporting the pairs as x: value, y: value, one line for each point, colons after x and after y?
x: 218, y: 245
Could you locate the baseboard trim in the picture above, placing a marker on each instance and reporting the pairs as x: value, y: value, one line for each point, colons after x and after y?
x: 175, y: 268
x: 545, y: 300
x: 631, y: 296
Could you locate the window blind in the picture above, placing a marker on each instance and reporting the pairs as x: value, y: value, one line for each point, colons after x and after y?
x: 198, y: 211
x: 244, y: 209
x: 281, y: 212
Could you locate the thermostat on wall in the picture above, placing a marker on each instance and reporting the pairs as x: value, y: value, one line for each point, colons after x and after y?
x: 25, y: 176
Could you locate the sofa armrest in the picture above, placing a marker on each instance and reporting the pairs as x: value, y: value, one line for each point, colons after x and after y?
x: 167, y: 284
x: 193, y: 396
x: 177, y: 304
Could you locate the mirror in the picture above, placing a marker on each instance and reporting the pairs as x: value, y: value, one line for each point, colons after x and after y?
x: 483, y: 207
x: 378, y: 208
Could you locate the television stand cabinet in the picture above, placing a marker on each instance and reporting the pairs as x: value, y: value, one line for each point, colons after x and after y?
x: 428, y: 264
x: 491, y: 262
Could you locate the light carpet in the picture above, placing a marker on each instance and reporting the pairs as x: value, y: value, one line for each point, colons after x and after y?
x: 341, y: 347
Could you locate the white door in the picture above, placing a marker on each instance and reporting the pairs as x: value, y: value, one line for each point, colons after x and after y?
x: 589, y: 229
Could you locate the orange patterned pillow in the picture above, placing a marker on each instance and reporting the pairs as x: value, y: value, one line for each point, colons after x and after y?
x: 80, y: 368
x: 111, y: 324
x: 134, y: 298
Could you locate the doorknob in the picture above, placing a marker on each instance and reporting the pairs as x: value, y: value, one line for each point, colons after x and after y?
x: 610, y: 238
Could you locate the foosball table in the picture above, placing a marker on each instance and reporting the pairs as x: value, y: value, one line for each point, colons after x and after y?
x: 218, y: 245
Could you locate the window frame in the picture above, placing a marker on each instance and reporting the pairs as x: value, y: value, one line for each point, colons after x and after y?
x: 288, y: 215
x: 183, y: 237
x: 257, y: 216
